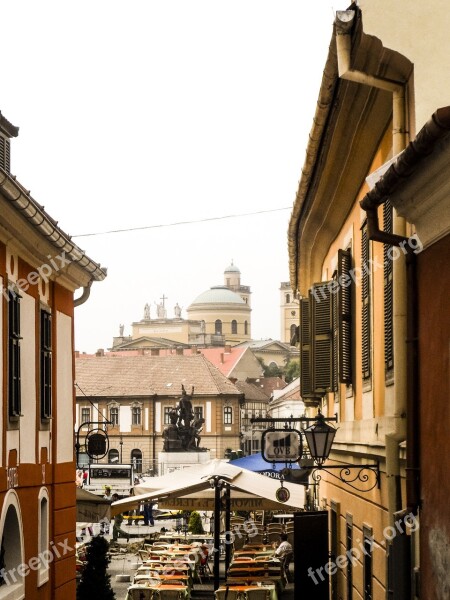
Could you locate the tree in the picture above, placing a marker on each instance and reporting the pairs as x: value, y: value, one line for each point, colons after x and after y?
x: 195, y: 523
x: 292, y: 370
x: 95, y: 582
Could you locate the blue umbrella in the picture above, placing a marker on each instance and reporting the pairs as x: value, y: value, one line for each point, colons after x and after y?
x: 256, y: 463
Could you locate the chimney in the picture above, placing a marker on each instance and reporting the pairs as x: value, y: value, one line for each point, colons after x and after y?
x: 194, y: 350
x: 180, y: 350
x: 222, y: 358
x: 100, y: 352
x: 227, y: 349
x: 154, y: 351
x: 77, y: 354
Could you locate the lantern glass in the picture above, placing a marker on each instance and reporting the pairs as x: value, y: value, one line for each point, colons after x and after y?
x: 319, y: 438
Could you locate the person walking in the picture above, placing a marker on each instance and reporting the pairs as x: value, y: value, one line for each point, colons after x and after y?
x: 148, y: 514
x: 118, y: 520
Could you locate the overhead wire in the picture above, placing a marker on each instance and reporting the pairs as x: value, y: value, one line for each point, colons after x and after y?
x: 205, y: 220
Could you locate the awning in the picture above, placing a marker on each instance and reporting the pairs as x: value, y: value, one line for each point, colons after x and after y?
x: 256, y: 463
x: 91, y: 508
x: 190, y: 489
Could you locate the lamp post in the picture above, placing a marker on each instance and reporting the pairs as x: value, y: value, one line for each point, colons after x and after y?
x: 218, y: 484
x: 121, y: 445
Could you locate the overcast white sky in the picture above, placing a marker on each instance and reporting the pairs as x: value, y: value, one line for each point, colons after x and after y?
x: 142, y: 113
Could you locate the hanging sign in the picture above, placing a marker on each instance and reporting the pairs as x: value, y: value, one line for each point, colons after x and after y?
x: 281, y: 445
x: 282, y: 494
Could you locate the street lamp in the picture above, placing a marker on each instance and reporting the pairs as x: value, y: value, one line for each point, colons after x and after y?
x: 319, y: 438
x: 121, y: 445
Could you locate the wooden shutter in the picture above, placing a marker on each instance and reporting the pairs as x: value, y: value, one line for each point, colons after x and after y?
x: 388, y: 291
x: 305, y: 349
x: 14, y: 382
x: 344, y: 298
x: 5, y: 154
x: 365, y: 297
x: 322, y: 337
x: 46, y: 365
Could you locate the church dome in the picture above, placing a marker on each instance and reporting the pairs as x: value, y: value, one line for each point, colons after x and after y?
x: 232, y: 269
x: 218, y: 294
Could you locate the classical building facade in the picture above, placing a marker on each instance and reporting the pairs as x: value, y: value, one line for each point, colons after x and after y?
x: 137, y: 394
x: 217, y: 317
x: 40, y: 269
x: 374, y: 325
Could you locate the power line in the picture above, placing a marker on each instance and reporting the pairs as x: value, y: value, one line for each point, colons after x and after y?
x: 258, y: 212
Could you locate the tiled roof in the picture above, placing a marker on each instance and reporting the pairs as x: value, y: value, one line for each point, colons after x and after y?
x: 252, y: 391
x: 224, y: 361
x: 113, y: 376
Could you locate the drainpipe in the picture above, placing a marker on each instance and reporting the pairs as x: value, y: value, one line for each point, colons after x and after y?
x: 84, y: 296
x: 344, y: 24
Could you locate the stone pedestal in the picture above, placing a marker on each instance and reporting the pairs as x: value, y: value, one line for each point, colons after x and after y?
x: 173, y: 461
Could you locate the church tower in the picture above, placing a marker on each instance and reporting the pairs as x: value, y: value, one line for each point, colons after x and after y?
x: 232, y: 280
x: 290, y: 312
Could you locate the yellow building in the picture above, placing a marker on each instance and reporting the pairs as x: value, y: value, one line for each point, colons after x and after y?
x: 225, y: 309
x: 289, y: 313
x: 352, y: 261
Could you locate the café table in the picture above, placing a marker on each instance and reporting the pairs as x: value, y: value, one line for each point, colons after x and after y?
x: 135, y: 591
x: 271, y: 588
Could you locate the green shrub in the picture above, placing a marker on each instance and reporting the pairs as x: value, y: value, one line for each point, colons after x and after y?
x: 195, y: 523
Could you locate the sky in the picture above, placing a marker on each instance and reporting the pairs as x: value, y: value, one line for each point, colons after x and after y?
x: 188, y: 119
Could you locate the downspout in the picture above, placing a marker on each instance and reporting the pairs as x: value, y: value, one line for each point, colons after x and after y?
x: 344, y: 25
x: 84, y: 296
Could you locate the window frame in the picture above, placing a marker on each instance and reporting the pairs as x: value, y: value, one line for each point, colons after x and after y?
x: 14, y: 356
x: 45, y: 364
x: 228, y: 415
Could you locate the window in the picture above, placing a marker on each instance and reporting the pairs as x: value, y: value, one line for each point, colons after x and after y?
x: 388, y: 291
x: 198, y: 412
x: 14, y: 392
x: 12, y: 548
x: 135, y: 415
x: 288, y: 299
x: 344, y: 316
x: 233, y: 326
x: 43, y: 535
x: 349, y: 548
x: 367, y: 563
x: 45, y: 351
x: 85, y: 414
x: 246, y: 327
x: 227, y: 415
x: 114, y: 415
x: 218, y: 327
x: 113, y: 455
x: 365, y: 297
x: 167, y: 412
x: 136, y: 460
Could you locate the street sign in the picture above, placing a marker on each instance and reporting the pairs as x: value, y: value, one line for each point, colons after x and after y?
x: 283, y: 445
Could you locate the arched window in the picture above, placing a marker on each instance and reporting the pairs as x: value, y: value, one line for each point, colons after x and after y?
x: 245, y: 327
x: 288, y: 298
x: 113, y: 455
x: 12, y: 548
x: 218, y: 327
x: 43, y: 541
x: 136, y: 460
x: 234, y: 326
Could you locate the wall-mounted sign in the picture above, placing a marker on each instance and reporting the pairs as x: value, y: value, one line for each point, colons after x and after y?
x: 282, y: 445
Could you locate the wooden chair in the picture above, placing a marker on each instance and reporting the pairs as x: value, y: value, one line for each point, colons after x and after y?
x: 260, y: 594
x: 229, y: 594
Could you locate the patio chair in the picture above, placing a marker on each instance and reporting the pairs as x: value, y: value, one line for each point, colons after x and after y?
x: 168, y: 595
x: 141, y: 594
x: 261, y: 594
x: 229, y: 594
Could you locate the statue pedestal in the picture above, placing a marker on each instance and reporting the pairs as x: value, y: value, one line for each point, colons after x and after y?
x: 173, y: 461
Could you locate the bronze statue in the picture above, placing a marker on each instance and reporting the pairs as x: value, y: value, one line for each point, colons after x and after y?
x: 183, y: 433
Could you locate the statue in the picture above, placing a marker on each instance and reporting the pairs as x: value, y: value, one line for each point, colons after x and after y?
x: 183, y: 433
x: 177, y: 311
x: 147, y: 311
x: 160, y: 310
x: 121, y: 328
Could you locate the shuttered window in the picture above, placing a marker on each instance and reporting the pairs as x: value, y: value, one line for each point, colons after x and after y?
x: 14, y: 385
x: 46, y: 364
x: 321, y: 307
x: 365, y: 299
x: 5, y: 154
x: 388, y: 292
x: 305, y: 349
x: 344, y: 314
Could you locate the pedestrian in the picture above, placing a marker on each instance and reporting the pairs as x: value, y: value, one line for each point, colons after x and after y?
x: 118, y: 520
x: 85, y: 477
x: 107, y: 495
x: 285, y: 553
x: 148, y: 514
